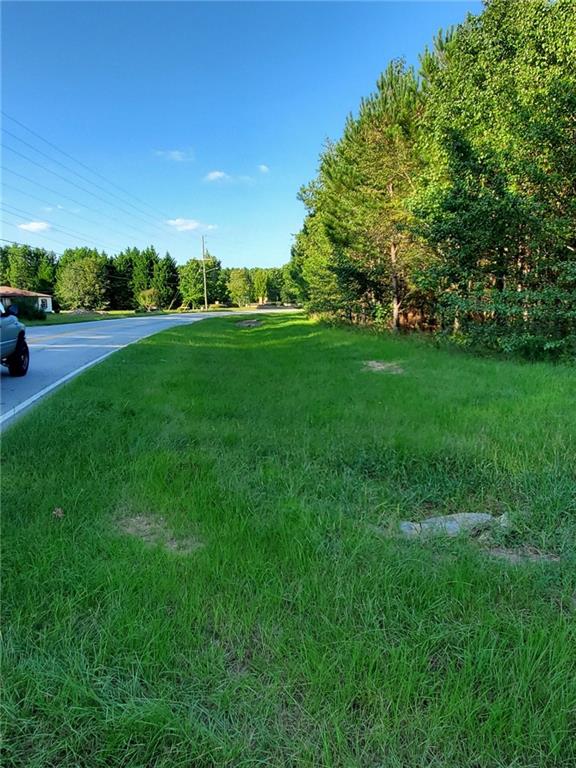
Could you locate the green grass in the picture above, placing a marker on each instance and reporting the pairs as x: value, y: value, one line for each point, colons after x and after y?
x: 295, y: 636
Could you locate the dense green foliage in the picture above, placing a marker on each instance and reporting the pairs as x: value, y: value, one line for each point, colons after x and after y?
x: 84, y: 278
x: 32, y: 269
x: 294, y: 634
x: 450, y: 199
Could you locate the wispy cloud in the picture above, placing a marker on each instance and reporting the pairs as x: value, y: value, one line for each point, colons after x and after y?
x: 217, y: 176
x: 222, y: 176
x: 263, y: 168
x: 189, y: 225
x: 34, y: 226
x: 184, y: 225
x: 176, y: 155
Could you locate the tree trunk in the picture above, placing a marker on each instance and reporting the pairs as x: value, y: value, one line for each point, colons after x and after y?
x: 395, y: 289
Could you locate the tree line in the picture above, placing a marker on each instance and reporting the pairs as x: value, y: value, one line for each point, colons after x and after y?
x: 85, y: 278
x: 449, y: 202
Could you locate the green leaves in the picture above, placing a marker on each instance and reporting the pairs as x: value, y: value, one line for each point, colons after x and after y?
x: 82, y: 282
x: 451, y: 197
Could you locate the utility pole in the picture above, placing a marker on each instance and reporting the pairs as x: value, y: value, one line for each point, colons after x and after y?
x: 204, y: 272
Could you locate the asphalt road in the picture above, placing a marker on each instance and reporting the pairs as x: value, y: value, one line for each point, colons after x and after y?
x: 59, y: 352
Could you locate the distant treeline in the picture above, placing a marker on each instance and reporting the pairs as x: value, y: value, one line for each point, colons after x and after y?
x: 449, y: 202
x: 84, y: 278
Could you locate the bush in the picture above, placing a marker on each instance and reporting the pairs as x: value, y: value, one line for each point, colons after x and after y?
x: 28, y: 309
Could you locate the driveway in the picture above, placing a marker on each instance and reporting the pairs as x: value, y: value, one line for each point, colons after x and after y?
x: 57, y: 353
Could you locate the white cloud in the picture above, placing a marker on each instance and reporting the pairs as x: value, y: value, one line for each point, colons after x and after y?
x: 263, y: 168
x: 34, y: 226
x: 226, y: 177
x: 189, y: 225
x: 177, y: 155
x: 216, y: 176
x: 184, y: 225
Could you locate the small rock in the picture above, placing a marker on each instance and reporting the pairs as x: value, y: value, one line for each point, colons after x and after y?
x: 408, y: 528
x: 461, y: 522
x: 448, y: 525
x: 383, y: 367
x: 526, y: 555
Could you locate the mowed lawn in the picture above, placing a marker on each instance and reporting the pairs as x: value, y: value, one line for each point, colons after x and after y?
x: 220, y: 589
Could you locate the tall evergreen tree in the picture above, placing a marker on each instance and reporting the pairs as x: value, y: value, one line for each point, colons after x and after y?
x: 121, y: 279
x: 165, y: 282
x: 143, y: 263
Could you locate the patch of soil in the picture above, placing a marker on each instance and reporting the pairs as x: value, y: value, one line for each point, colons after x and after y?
x: 528, y: 555
x: 154, y: 531
x: 381, y: 366
x: 249, y: 323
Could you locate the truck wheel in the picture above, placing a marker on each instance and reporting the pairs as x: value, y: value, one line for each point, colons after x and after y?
x: 20, y: 359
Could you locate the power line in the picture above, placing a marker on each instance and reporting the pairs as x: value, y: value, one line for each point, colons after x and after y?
x: 80, y: 175
x: 73, y: 183
x: 73, y: 213
x: 44, y: 237
x: 68, y: 197
x: 69, y: 232
x: 25, y: 245
x: 118, y: 278
x: 83, y: 165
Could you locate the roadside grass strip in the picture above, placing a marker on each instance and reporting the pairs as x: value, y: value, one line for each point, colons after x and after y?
x: 193, y: 573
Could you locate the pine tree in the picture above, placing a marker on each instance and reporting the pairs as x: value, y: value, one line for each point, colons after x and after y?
x: 165, y: 282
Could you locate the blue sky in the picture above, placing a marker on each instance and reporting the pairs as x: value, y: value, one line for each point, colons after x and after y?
x: 211, y: 114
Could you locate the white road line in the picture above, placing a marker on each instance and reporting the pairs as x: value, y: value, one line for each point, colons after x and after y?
x: 26, y: 403
x: 76, y: 346
x: 38, y: 341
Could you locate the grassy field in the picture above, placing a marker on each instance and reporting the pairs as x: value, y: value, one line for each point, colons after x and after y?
x: 197, y: 571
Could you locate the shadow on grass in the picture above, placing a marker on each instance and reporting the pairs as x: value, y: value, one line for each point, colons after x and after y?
x: 294, y: 635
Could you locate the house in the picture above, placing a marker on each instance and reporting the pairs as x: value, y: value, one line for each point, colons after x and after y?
x: 10, y: 295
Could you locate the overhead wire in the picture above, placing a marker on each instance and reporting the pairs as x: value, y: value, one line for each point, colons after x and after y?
x: 79, y: 175
x: 68, y: 197
x: 55, y: 227
x: 74, y: 184
x: 83, y: 165
x: 73, y: 213
x: 44, y: 237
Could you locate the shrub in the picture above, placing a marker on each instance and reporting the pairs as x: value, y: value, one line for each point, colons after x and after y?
x: 28, y: 309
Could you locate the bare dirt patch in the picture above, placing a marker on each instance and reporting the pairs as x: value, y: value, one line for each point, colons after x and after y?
x: 380, y: 366
x: 248, y: 323
x: 517, y: 556
x: 154, y: 531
